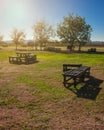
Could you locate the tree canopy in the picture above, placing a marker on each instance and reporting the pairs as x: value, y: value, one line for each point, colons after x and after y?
x: 74, y: 30
x: 42, y: 32
x: 17, y: 37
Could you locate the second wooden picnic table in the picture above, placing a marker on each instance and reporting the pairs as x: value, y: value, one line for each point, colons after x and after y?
x: 80, y: 72
x: 23, y: 54
x: 26, y: 57
x: 23, y: 57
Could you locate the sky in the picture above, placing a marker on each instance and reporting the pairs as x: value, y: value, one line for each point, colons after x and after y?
x: 23, y: 14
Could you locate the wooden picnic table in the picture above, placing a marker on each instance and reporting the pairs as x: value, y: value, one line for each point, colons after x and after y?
x: 81, y: 72
x: 23, y: 54
x: 23, y: 57
x: 67, y: 67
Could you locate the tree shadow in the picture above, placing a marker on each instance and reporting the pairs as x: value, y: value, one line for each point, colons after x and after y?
x: 90, y: 89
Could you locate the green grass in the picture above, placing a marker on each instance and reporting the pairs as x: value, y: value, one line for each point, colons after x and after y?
x: 37, y: 89
x: 4, y: 54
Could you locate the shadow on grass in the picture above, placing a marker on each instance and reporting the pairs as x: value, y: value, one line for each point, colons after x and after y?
x: 21, y: 63
x: 89, y: 90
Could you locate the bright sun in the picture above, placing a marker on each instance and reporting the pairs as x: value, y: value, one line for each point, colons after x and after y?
x: 16, y: 11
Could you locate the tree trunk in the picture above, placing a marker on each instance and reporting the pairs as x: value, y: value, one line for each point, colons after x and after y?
x: 40, y: 46
x: 16, y: 46
x: 36, y: 47
x: 79, y: 48
x: 70, y: 47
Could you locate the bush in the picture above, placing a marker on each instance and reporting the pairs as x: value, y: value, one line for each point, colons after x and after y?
x: 92, y: 50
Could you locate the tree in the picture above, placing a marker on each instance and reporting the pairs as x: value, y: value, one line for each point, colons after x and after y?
x: 17, y: 37
x: 2, y: 42
x: 1, y: 39
x: 30, y: 43
x: 74, y: 31
x: 42, y: 32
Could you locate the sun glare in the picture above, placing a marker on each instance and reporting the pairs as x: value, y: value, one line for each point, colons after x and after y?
x: 15, y: 11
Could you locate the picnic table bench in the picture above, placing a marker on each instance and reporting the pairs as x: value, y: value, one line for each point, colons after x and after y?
x: 78, y: 73
x: 23, y: 57
x: 67, y: 67
x: 14, y: 59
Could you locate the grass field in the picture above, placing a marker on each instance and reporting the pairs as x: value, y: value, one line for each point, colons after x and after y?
x: 32, y: 97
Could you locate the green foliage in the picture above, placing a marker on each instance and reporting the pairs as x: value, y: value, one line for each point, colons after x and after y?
x: 42, y: 32
x: 17, y: 37
x: 74, y: 30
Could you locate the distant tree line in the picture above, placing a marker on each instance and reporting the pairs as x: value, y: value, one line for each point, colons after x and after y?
x: 73, y: 30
